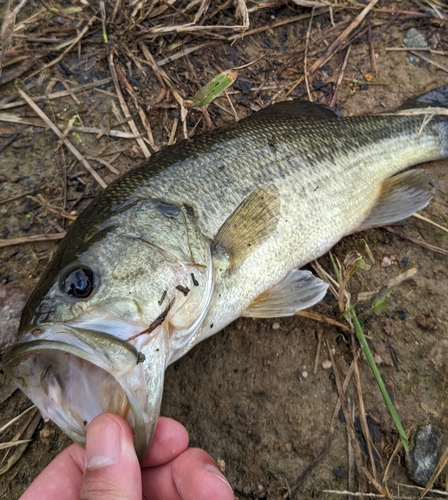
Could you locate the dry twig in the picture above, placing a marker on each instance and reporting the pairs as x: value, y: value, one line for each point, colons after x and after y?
x: 15, y: 197
x: 24, y: 434
x: 323, y: 319
x: 55, y: 95
x: 429, y: 221
x: 72, y: 44
x: 68, y: 144
x: 416, y: 241
x: 430, y: 61
x: 31, y: 239
x: 117, y: 74
x: 350, y: 429
x: 8, y: 30
x: 340, y: 77
x: 362, y: 411
x: 58, y: 211
x: 329, y: 53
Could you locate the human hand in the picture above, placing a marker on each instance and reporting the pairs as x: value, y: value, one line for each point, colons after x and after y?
x: 108, y: 469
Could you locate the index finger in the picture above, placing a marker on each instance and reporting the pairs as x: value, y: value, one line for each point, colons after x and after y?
x: 62, y: 478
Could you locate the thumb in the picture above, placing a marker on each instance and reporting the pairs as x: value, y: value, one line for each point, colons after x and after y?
x: 112, y: 468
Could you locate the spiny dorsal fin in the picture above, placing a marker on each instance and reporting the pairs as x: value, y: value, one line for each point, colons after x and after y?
x: 250, y: 225
x: 436, y: 98
x: 299, y: 290
x: 296, y: 109
x: 400, y: 197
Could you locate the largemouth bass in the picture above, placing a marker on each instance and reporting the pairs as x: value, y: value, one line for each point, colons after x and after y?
x: 204, y: 232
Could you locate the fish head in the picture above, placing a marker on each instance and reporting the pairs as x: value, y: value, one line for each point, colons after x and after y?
x: 103, y: 323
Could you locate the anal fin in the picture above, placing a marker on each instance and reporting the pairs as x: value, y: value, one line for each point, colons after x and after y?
x: 400, y: 197
x: 299, y: 290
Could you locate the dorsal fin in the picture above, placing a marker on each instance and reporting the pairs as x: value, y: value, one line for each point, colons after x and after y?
x: 436, y: 98
x: 296, y: 109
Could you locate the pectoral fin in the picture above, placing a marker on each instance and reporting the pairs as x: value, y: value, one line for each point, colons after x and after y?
x: 250, y: 225
x: 400, y: 197
x: 299, y: 290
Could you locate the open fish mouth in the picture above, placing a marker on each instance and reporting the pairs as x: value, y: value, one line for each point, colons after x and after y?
x: 74, y: 374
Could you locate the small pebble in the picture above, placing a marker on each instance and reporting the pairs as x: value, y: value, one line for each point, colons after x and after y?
x: 275, y: 326
x: 260, y: 488
x: 415, y: 39
x: 221, y: 465
x: 378, y: 359
x: 402, y: 314
x: 424, y: 454
x: 404, y: 262
x: 288, y: 447
x: 326, y: 365
x: 386, y: 262
x: 339, y: 472
x: 305, y: 374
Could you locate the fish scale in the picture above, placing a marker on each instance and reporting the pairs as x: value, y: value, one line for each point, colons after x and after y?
x: 308, y: 156
x: 301, y: 145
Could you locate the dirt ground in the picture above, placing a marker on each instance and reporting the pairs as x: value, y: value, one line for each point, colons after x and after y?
x: 256, y: 396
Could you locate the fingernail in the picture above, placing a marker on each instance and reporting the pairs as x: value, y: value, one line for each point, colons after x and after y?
x: 215, y: 471
x: 103, y: 443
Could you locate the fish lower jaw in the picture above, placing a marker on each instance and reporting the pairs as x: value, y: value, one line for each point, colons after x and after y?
x: 74, y: 374
x: 71, y: 390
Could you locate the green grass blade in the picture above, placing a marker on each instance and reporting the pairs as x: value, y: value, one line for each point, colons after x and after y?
x: 335, y: 266
x: 215, y: 87
x: 371, y: 362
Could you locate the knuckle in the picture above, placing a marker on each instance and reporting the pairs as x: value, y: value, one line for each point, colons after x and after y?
x: 99, y: 489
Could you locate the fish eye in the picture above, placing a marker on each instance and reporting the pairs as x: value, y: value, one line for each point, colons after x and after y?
x: 78, y: 283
